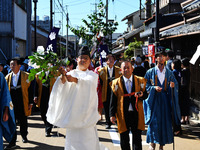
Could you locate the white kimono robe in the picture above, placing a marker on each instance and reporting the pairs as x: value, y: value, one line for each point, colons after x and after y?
x: 74, y: 106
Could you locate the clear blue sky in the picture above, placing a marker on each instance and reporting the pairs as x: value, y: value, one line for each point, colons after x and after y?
x: 80, y: 9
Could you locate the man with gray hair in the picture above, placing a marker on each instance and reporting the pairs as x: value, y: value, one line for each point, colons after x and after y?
x: 139, y: 70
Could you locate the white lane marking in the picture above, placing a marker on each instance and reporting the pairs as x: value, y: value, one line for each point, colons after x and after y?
x: 115, y: 138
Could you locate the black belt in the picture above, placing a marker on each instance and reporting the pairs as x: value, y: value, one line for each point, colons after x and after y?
x: 15, y: 87
x: 111, y: 78
x: 46, y: 85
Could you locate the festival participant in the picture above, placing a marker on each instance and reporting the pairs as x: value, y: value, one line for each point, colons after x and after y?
x: 106, y: 75
x: 158, y: 108
x: 126, y: 106
x: 41, y: 98
x: 73, y: 105
x: 21, y: 91
x: 99, y: 90
x: 184, y: 91
x: 7, y: 123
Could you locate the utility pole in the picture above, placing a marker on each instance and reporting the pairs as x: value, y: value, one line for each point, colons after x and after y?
x: 157, y: 26
x: 35, y: 24
x: 107, y: 20
x: 67, y: 34
x: 148, y: 9
x: 107, y: 13
x: 51, y: 15
x: 60, y: 40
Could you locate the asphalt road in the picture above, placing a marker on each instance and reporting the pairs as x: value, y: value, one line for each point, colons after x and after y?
x: 110, y: 138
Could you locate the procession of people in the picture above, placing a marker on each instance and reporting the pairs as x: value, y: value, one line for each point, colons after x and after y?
x: 132, y: 96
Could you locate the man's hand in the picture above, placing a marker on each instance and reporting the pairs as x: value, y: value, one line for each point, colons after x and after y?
x: 30, y: 106
x: 139, y: 94
x: 172, y: 84
x: 71, y: 79
x: 63, y: 79
x: 62, y: 71
x: 5, y: 114
x: 113, y: 119
x: 35, y: 99
x: 158, y: 89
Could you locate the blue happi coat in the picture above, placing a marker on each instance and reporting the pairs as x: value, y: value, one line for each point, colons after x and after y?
x: 8, y: 128
x: 158, y: 108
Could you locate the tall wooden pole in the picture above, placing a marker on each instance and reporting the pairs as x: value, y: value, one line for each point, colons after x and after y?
x: 35, y: 24
x: 67, y: 36
x: 51, y: 15
x: 157, y: 26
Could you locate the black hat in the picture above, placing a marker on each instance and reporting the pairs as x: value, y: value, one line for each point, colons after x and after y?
x: 1, y: 64
x: 84, y: 51
x: 19, y: 62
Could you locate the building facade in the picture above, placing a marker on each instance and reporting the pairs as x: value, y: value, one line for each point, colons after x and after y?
x: 179, y: 30
x: 15, y: 36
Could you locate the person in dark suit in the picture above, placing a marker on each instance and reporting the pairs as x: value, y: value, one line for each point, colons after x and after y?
x: 41, y: 98
x: 126, y: 106
x: 22, y: 96
x: 106, y: 75
x: 139, y: 70
x: 170, y: 55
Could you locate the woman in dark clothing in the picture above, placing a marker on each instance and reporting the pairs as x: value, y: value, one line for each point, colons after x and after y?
x: 176, y: 69
x: 185, y: 97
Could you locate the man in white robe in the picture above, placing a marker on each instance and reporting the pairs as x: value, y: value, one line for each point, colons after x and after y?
x: 73, y: 105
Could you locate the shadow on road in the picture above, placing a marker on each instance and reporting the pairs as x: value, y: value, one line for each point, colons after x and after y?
x: 104, y: 140
x: 40, y: 146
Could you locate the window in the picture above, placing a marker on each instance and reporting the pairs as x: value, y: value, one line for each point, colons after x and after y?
x: 130, y: 27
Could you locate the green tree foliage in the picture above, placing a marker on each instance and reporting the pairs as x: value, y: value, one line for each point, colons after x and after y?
x: 45, y: 62
x: 96, y: 23
x: 131, y: 48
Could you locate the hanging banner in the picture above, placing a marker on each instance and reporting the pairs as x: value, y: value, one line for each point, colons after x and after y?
x: 145, y: 50
x: 151, y: 50
x: 52, y: 40
x: 103, y: 54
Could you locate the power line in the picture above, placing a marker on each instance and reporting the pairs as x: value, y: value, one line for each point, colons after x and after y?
x: 62, y: 8
x: 58, y: 8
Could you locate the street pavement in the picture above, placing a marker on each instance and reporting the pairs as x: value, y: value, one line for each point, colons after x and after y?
x: 190, y: 140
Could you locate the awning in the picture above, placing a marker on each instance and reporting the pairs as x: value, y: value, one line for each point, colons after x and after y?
x: 128, y: 35
x: 182, y: 30
x: 120, y: 50
x: 132, y: 33
x: 193, y: 5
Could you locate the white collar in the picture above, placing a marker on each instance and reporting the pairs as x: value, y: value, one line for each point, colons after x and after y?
x: 125, y: 79
x: 16, y: 74
x: 164, y: 69
x: 110, y: 68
